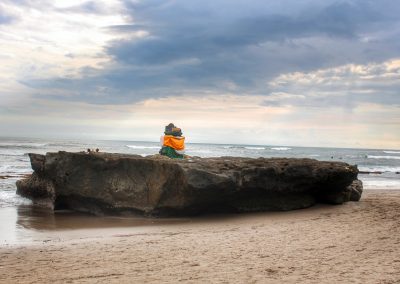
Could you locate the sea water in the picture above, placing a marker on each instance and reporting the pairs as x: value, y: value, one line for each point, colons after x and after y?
x: 382, y: 169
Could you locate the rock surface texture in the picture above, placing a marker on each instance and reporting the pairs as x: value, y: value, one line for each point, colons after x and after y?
x: 103, y: 183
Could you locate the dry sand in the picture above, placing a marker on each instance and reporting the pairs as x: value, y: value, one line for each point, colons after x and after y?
x: 358, y: 242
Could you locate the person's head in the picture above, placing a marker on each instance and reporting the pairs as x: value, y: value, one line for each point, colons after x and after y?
x: 171, y: 129
x: 168, y: 128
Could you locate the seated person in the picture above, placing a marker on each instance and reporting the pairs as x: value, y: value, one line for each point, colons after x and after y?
x: 173, y: 143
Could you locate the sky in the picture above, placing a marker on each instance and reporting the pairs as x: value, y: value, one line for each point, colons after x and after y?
x: 290, y: 72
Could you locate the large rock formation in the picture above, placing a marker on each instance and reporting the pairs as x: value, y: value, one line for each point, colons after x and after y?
x: 103, y: 183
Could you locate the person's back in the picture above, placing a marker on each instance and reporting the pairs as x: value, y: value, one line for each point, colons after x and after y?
x: 172, y: 143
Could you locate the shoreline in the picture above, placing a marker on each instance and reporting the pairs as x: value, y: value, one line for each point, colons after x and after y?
x: 354, y: 242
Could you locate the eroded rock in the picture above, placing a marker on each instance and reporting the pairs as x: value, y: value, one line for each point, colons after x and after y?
x: 103, y: 183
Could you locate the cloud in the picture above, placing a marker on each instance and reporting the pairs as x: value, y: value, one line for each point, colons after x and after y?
x: 174, y: 47
x: 159, y: 49
x: 6, y: 17
x: 206, y: 31
x: 87, y: 7
x: 347, y: 86
x: 46, y: 43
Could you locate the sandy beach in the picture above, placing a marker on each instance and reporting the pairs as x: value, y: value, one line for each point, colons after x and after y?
x: 358, y: 242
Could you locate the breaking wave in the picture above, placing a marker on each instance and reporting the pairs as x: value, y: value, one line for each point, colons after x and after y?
x: 245, y: 147
x: 280, y: 148
x: 22, y: 145
x: 13, y: 154
x: 383, y: 157
x: 233, y: 147
x: 254, y: 148
x: 383, y: 169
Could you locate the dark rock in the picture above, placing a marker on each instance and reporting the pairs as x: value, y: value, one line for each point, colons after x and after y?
x: 103, y: 183
x: 355, y: 189
x: 37, y: 163
x: 40, y: 190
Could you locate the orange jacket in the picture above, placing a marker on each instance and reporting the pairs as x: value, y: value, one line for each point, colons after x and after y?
x: 176, y: 142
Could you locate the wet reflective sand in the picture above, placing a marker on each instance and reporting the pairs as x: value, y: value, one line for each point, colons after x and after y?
x: 27, y: 223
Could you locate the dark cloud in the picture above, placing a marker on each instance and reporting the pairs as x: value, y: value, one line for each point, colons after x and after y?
x: 231, y: 46
x: 204, y: 35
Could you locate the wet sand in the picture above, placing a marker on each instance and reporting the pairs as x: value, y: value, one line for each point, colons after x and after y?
x: 358, y: 242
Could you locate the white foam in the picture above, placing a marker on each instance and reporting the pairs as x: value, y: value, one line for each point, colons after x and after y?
x: 4, y: 168
x: 254, y: 148
x: 391, y: 152
x: 280, y: 148
x: 8, y: 198
x: 379, y: 169
x: 381, y: 184
x: 12, y: 170
x: 384, y: 157
x: 22, y: 145
x: 12, y: 153
x: 142, y: 147
x: 233, y: 147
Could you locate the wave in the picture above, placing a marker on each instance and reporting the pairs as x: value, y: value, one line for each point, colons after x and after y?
x: 391, y: 152
x: 142, y: 147
x: 13, y: 154
x: 11, y: 170
x: 22, y: 145
x: 244, y: 147
x: 191, y: 150
x: 254, y: 148
x: 381, y: 184
x: 63, y: 144
x: 379, y: 169
x: 280, y: 148
x: 383, y: 157
x: 234, y: 147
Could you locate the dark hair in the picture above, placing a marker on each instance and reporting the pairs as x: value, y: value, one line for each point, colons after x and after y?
x: 171, y: 129
x: 168, y: 128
